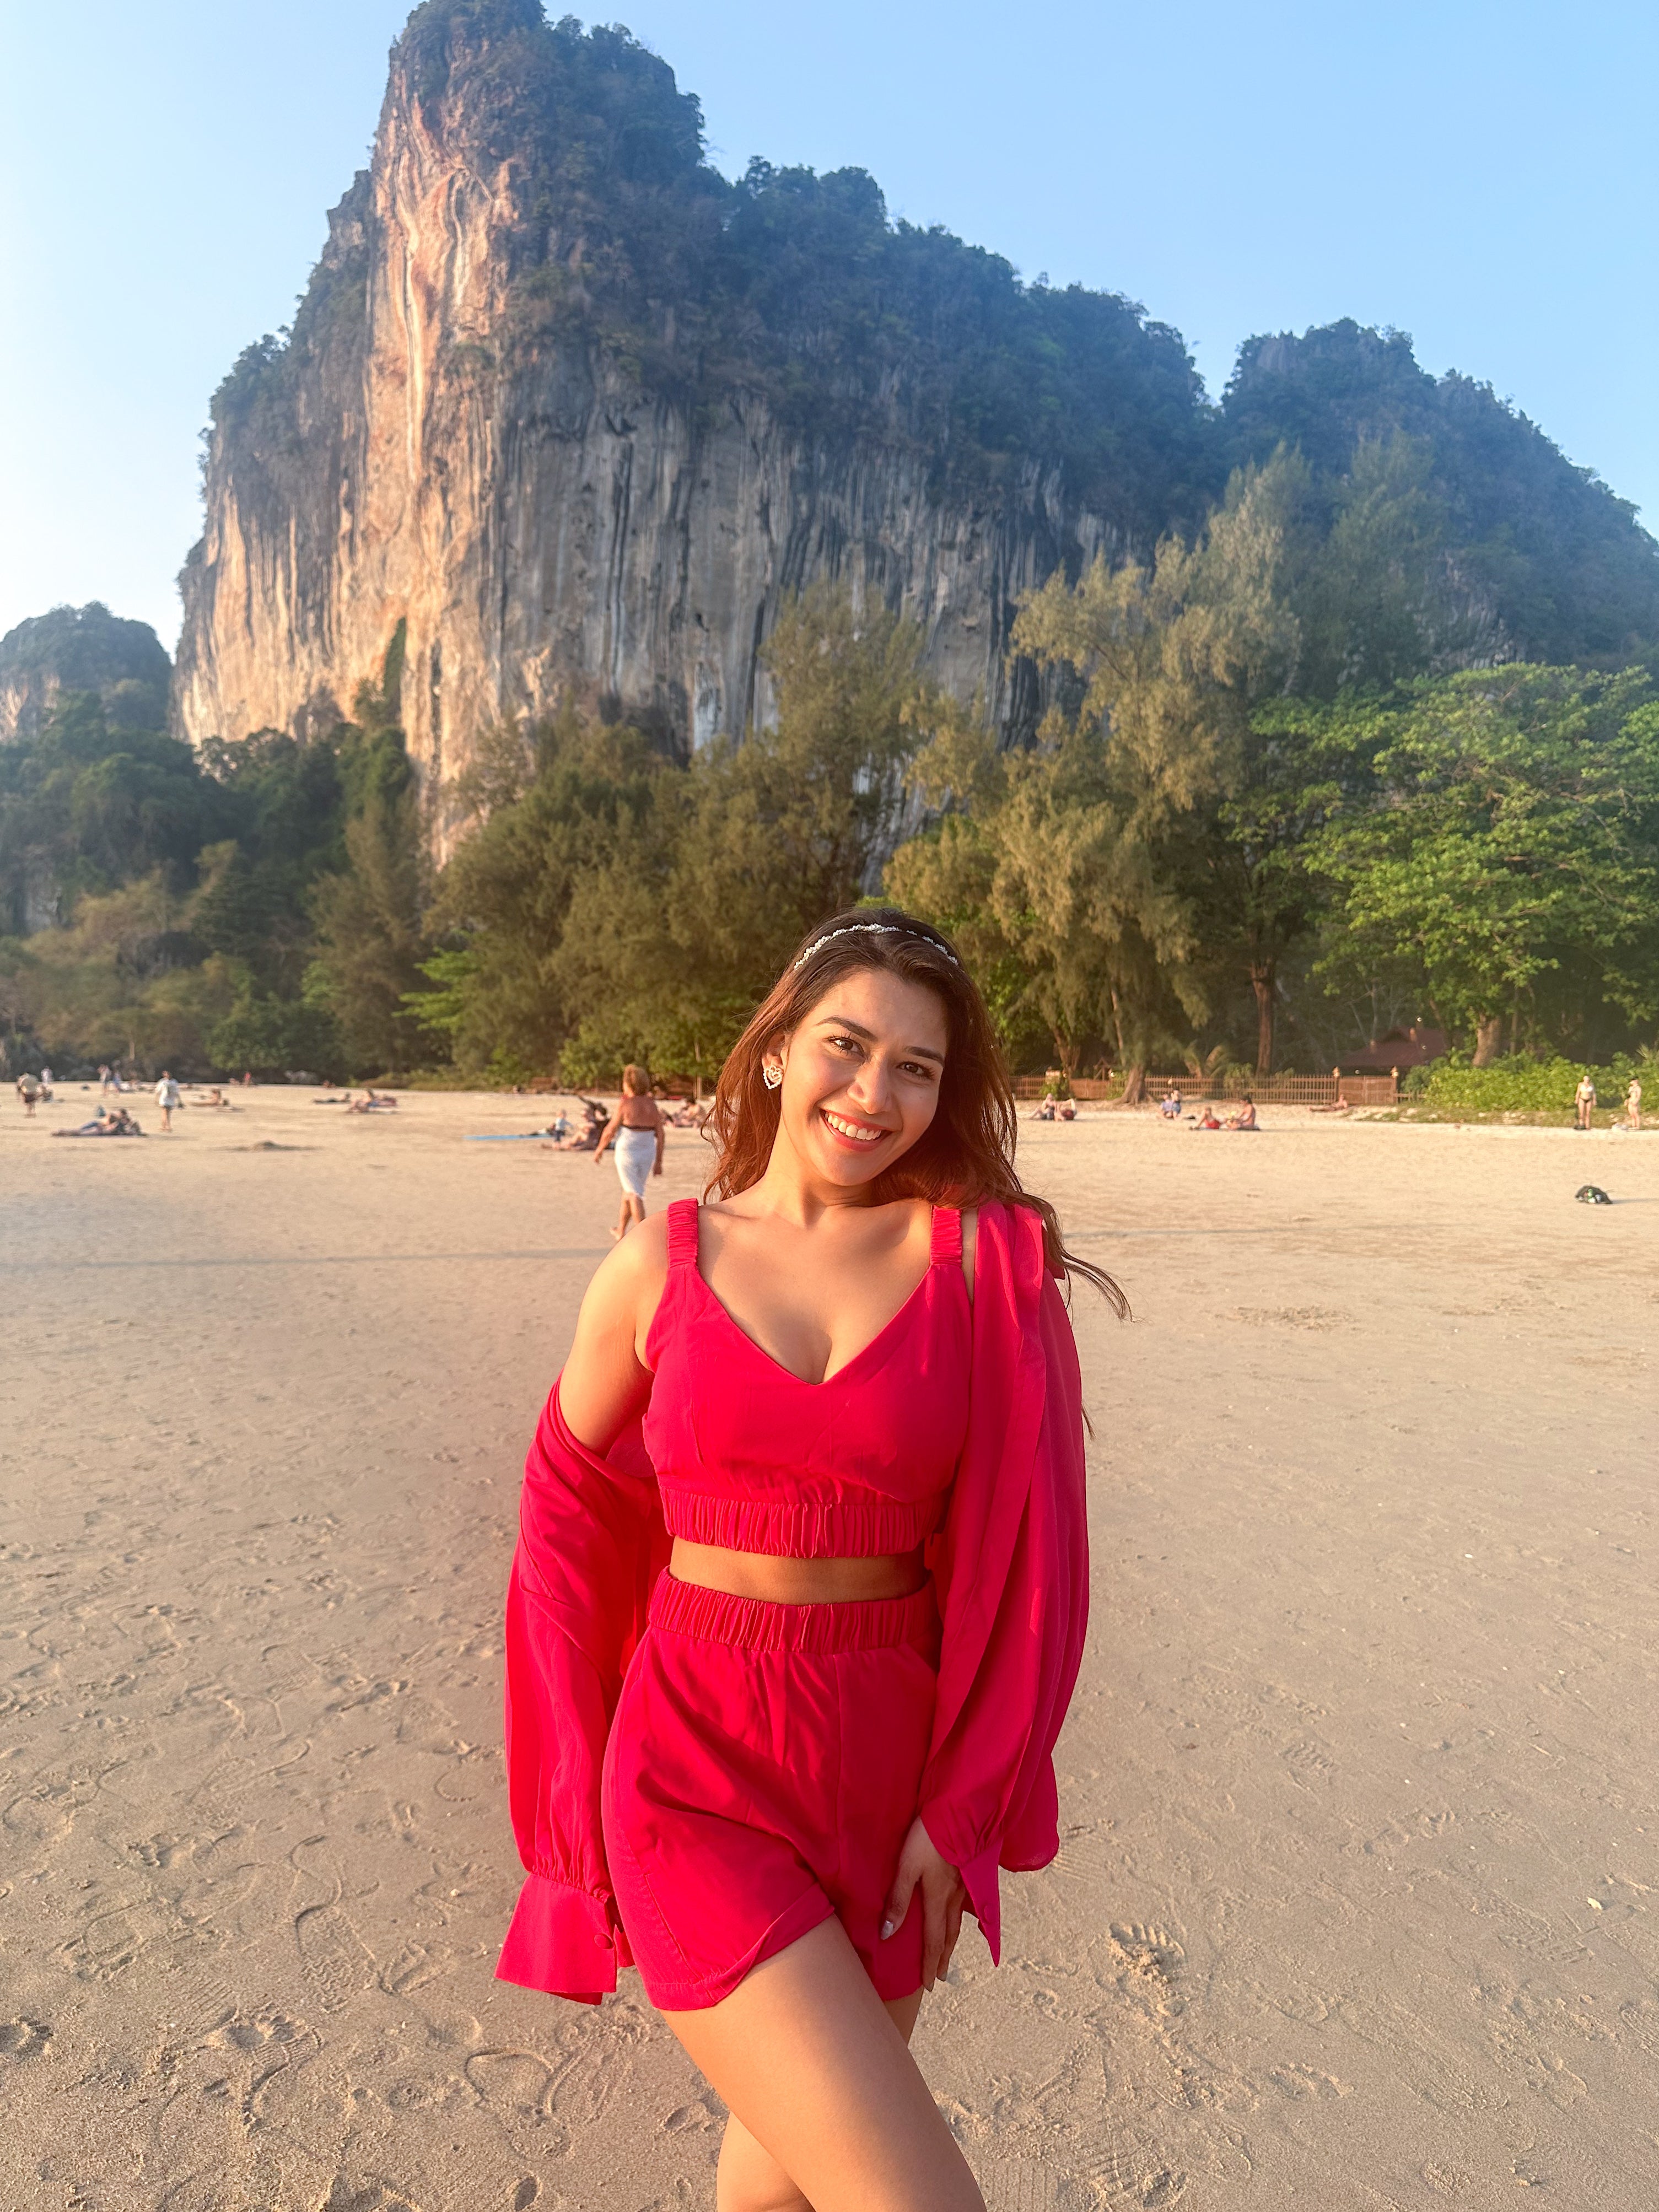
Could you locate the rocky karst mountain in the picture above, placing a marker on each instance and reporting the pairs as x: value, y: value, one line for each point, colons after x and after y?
x: 564, y: 415
x: 81, y: 649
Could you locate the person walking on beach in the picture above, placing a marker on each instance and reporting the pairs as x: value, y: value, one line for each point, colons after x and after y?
x: 755, y: 1747
x: 28, y: 1091
x: 1583, y: 1102
x: 1633, y: 1103
x: 166, y: 1097
x: 641, y: 1134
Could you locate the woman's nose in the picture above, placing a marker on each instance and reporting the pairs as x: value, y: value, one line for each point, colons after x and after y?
x: 872, y: 1087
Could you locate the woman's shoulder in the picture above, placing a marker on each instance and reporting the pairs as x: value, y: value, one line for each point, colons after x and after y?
x: 628, y: 1282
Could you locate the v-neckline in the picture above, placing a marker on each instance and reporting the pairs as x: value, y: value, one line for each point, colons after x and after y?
x: 772, y: 1359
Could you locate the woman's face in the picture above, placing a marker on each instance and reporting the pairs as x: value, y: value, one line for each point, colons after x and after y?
x: 861, y: 1076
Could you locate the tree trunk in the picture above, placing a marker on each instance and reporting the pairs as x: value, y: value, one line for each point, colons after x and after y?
x: 1488, y: 1038
x: 1262, y: 981
x: 1134, y: 1085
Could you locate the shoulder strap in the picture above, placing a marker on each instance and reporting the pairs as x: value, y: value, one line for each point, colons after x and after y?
x: 947, y: 1236
x: 682, y: 1233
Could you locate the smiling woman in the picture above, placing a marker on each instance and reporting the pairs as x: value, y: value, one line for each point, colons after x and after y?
x: 773, y: 1765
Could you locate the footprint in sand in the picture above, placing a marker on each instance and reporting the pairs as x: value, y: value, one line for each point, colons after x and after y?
x: 1131, y: 2176
x: 1015, y: 2186
x: 367, y: 2196
x: 1300, y: 2083
x: 336, y: 1959
x: 23, y: 2038
x: 519, y: 2086
x: 416, y: 1963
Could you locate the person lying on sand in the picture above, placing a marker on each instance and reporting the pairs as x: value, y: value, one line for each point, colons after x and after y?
x: 120, y: 1123
x: 216, y: 1097
x: 1338, y: 1105
x: 371, y: 1102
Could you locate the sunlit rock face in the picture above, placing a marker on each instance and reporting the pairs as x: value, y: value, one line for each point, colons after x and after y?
x: 444, y: 476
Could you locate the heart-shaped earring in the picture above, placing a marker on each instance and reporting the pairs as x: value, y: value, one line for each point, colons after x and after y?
x: 771, y: 1077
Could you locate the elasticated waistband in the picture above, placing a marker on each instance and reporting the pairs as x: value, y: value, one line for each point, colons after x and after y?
x: 754, y: 1623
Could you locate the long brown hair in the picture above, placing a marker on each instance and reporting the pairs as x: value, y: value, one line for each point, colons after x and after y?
x: 967, y: 1153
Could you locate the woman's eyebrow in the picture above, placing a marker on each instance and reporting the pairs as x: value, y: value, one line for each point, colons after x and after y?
x: 857, y: 1030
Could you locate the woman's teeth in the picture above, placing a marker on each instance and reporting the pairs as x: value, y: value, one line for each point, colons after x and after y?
x: 853, y: 1130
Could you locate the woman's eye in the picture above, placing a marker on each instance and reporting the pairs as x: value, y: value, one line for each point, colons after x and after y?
x: 918, y: 1067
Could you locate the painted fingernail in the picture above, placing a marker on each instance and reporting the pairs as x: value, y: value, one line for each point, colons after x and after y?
x: 887, y: 1927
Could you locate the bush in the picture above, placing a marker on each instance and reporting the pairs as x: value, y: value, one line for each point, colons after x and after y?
x: 1520, y: 1084
x: 270, y: 1035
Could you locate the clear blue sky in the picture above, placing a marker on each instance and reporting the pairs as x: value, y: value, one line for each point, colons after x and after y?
x: 1483, y: 175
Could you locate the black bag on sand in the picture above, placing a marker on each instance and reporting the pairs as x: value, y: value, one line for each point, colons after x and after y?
x: 1590, y: 1194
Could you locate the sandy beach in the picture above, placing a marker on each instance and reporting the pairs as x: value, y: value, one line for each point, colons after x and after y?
x: 1357, y: 1905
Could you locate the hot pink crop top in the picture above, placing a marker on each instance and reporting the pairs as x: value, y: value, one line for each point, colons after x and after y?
x: 749, y: 1457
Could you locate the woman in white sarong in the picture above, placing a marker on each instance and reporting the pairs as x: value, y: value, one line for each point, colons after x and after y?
x: 640, y: 1133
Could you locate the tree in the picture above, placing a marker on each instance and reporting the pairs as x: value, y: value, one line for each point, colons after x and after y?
x: 1170, y: 660
x: 1510, y: 854
x: 612, y: 906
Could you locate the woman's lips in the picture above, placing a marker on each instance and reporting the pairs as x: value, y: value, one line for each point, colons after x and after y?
x: 855, y: 1136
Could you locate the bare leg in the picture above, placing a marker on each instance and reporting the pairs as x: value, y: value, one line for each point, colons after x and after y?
x: 636, y: 1210
x: 816, y: 2072
x: 750, y: 2179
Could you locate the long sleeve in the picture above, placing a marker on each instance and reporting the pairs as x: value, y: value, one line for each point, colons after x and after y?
x: 591, y: 1541
x: 1012, y: 1569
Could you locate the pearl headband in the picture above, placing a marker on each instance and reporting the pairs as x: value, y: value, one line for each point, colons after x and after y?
x: 876, y: 929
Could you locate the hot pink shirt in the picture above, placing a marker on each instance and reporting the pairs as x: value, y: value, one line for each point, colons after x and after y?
x: 1010, y: 1563
x: 748, y: 1455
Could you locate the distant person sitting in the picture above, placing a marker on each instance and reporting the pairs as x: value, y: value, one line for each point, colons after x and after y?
x: 1244, y: 1118
x: 1068, y: 1110
x: 1208, y: 1120
x: 1583, y: 1103
x: 1170, y: 1104
x: 1046, y: 1112
x: 216, y: 1098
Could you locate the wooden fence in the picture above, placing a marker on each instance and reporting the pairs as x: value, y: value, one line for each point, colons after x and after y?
x: 1235, y: 1082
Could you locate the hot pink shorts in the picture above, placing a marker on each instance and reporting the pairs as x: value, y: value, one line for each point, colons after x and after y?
x: 761, y: 1773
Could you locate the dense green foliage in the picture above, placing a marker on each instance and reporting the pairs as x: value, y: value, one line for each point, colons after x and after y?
x: 1192, y: 863
x: 257, y: 905
x: 1518, y: 1083
x: 612, y: 905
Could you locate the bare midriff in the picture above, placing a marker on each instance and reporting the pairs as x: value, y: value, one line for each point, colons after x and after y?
x: 796, y: 1582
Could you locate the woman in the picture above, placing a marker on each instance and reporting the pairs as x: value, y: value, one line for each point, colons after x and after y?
x: 796, y: 1612
x: 638, y: 1128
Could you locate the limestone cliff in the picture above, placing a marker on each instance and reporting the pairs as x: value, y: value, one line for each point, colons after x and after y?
x: 81, y: 649
x: 464, y: 451
x: 565, y: 415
